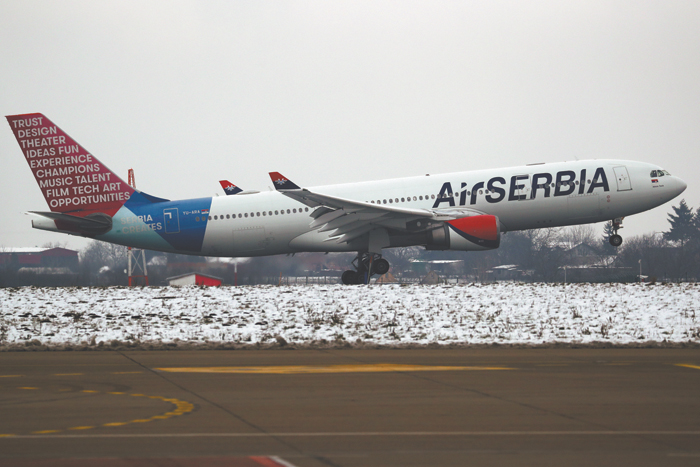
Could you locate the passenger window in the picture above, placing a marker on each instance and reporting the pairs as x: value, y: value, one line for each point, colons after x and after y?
x: 289, y: 211
x: 246, y: 214
x: 420, y: 197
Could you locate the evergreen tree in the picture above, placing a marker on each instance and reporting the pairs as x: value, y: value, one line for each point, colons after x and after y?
x: 683, y: 224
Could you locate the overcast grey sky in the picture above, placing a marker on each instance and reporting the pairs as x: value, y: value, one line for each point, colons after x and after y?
x: 190, y: 92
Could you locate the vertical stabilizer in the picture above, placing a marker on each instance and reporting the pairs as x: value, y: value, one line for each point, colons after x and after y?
x: 72, y: 180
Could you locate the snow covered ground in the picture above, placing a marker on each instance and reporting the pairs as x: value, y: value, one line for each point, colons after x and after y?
x: 504, y: 313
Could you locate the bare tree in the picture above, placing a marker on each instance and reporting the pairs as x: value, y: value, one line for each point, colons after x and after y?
x: 577, y: 234
x: 98, y: 255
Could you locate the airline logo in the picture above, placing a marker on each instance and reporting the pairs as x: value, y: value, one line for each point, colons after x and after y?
x: 282, y: 182
x: 524, y: 187
x: 229, y: 187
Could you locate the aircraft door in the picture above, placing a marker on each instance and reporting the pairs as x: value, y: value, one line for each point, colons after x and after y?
x: 172, y: 220
x: 623, y: 178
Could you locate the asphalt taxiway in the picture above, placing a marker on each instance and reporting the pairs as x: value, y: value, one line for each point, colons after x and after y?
x: 490, y: 406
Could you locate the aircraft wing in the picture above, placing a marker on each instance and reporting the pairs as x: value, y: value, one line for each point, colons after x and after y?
x: 346, y: 219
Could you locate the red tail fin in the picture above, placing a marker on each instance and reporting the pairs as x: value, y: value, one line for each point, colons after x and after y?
x: 71, y: 179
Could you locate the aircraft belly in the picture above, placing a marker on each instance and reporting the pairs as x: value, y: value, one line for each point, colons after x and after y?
x: 584, y: 207
x: 315, y: 241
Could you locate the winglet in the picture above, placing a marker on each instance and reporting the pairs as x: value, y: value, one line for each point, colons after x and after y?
x: 229, y: 188
x: 282, y: 183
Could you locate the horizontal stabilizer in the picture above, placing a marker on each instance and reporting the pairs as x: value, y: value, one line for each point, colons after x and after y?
x: 92, y: 224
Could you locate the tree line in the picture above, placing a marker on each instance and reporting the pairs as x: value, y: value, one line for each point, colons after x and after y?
x: 575, y: 253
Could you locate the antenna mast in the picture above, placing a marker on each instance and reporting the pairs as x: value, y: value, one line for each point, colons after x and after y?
x: 136, y: 256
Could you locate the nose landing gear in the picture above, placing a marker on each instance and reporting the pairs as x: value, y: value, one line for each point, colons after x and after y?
x: 616, y: 240
x: 366, y: 265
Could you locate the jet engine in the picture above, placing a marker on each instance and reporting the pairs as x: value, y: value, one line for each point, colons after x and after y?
x: 473, y: 233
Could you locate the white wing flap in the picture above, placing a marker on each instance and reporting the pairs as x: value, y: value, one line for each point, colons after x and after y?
x: 348, y: 219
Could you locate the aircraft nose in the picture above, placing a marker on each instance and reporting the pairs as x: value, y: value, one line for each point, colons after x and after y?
x: 680, y: 185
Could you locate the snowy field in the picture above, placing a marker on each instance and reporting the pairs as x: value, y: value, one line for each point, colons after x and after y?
x: 503, y: 313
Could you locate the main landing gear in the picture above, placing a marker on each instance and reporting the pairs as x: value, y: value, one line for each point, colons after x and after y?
x: 366, y: 265
x: 615, y: 240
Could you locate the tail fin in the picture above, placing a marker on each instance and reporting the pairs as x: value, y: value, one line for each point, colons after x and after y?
x: 229, y: 188
x: 72, y: 180
x: 282, y: 183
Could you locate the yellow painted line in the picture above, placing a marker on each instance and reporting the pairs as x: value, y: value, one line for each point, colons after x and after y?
x: 304, y: 369
x: 10, y: 376
x: 181, y: 407
x: 688, y: 365
x: 126, y: 372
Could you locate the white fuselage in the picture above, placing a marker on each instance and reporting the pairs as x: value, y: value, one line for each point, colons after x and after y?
x: 526, y: 197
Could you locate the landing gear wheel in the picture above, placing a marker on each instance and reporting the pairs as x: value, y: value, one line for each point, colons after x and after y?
x: 380, y: 266
x: 615, y: 240
x: 349, y: 277
x: 362, y: 264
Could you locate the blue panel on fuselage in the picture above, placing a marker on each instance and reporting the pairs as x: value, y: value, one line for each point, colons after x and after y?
x: 180, y: 223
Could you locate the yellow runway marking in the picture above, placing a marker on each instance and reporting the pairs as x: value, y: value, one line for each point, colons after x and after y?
x: 181, y: 407
x: 10, y: 376
x: 304, y: 369
x: 688, y: 365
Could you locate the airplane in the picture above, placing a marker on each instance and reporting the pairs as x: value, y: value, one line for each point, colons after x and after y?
x: 463, y: 211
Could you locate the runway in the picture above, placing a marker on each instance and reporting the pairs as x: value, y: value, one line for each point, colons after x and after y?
x: 495, y: 406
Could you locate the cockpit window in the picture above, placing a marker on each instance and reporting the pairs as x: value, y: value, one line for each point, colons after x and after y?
x: 659, y: 173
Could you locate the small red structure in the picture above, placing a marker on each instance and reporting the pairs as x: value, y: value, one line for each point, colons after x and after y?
x: 195, y: 278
